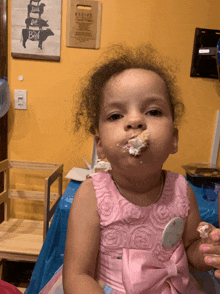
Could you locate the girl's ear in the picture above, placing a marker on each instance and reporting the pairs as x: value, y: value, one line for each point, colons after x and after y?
x: 99, y: 148
x: 175, y: 141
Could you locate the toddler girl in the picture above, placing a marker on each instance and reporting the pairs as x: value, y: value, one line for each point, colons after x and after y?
x: 133, y: 229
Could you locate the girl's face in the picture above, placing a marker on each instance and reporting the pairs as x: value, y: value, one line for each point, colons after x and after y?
x: 133, y: 101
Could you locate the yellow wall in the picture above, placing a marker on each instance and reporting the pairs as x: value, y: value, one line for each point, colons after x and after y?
x: 45, y: 131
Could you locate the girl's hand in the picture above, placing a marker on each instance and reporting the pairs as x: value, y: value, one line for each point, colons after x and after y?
x: 211, y: 245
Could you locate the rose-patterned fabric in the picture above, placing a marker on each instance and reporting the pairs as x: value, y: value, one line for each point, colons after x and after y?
x: 125, y: 225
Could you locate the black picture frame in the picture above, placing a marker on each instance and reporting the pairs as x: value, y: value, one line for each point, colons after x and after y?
x: 36, y: 29
x: 205, y: 65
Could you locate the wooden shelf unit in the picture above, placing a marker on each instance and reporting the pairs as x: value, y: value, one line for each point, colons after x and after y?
x: 21, y: 240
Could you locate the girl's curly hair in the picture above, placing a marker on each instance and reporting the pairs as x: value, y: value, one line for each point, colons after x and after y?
x: 117, y: 59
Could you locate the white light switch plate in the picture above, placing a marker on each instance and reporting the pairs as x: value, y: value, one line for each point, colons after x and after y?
x: 20, y: 99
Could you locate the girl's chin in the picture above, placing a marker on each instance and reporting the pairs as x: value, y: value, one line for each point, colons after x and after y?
x: 132, y: 163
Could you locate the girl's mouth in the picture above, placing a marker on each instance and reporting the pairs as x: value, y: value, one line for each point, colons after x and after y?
x: 137, y: 144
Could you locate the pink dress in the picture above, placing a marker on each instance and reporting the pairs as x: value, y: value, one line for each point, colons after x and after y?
x: 132, y: 258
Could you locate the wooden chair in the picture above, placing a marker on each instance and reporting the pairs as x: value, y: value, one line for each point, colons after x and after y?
x: 21, y: 240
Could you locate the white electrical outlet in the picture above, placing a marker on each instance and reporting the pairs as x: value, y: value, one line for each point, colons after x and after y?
x: 20, y: 98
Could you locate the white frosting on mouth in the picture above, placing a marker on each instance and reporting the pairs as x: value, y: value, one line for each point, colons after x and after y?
x: 135, y: 145
x: 135, y: 150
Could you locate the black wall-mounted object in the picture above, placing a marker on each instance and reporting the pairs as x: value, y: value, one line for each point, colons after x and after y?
x: 204, y: 59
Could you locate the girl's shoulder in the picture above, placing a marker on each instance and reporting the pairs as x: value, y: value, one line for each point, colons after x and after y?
x: 86, y: 186
x: 174, y: 175
x: 176, y: 178
x: 85, y: 194
x: 101, y: 180
x: 178, y: 184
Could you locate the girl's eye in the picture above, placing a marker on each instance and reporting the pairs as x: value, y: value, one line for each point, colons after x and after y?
x: 115, y: 116
x: 154, y: 112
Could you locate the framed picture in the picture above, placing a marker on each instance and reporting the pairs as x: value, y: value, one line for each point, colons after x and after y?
x: 36, y: 29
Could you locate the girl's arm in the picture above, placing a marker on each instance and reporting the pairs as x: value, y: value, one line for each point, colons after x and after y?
x: 82, y: 243
x: 191, y: 237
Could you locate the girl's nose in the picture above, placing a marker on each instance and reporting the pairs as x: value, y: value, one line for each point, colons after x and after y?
x: 135, y: 122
